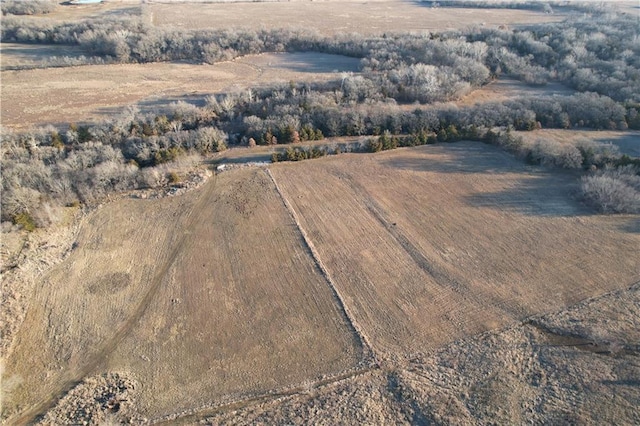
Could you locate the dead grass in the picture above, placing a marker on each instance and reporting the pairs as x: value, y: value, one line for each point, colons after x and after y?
x: 628, y: 141
x: 215, y: 294
x: 201, y: 307
x: 333, y: 17
x: 77, y: 94
x: 521, y: 374
x: 432, y: 244
x: 506, y: 88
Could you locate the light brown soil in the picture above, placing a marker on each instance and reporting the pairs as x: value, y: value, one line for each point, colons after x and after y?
x: 432, y: 244
x: 77, y: 94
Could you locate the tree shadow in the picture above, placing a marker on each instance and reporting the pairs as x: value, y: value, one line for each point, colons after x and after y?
x: 546, y: 195
x: 532, y: 190
x: 156, y: 105
x: 631, y: 225
x: 629, y: 143
x: 313, y: 62
x: 458, y: 157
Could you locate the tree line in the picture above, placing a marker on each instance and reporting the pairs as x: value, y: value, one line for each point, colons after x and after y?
x: 51, y: 166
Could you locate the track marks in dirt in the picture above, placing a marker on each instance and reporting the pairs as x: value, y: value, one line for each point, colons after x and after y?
x: 378, y: 212
x: 419, y: 263
x: 73, y: 377
x: 357, y: 329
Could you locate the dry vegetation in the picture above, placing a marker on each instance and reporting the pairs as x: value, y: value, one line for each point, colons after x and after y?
x: 575, y: 366
x: 425, y: 246
x: 334, y: 17
x: 186, y: 294
x: 89, y: 93
x: 432, y: 244
x: 436, y: 284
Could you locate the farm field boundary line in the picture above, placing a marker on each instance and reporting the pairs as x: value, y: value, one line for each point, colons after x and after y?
x: 202, y: 412
x: 366, y: 343
x: 73, y: 377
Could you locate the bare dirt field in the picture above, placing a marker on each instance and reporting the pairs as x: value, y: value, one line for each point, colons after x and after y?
x: 432, y: 244
x: 212, y: 295
x: 77, y: 94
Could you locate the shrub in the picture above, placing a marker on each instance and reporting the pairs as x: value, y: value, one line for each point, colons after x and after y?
x: 613, y: 190
x: 555, y: 154
x: 25, y: 220
x: 27, y: 7
x: 374, y: 145
x: 597, y: 154
x: 173, y: 177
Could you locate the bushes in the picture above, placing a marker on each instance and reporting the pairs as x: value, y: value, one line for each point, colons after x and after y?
x: 25, y: 221
x: 555, y: 154
x: 27, y: 7
x: 613, y: 190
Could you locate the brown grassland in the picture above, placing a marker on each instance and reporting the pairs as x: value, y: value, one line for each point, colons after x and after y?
x: 432, y: 244
x: 85, y: 93
x: 77, y: 94
x: 447, y: 283
x: 211, y: 295
x: 334, y: 17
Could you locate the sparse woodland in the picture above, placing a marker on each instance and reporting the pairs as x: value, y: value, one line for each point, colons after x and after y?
x: 597, y: 54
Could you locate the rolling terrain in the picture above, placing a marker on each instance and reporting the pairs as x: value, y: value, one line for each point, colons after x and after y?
x: 446, y: 283
x: 184, y: 294
x: 270, y: 282
x: 432, y: 244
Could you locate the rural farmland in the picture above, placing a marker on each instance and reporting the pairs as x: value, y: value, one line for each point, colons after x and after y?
x: 337, y: 212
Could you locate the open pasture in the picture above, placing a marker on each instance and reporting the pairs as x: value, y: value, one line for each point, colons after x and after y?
x: 432, y: 244
x: 94, y: 92
x: 212, y: 295
x: 335, y: 17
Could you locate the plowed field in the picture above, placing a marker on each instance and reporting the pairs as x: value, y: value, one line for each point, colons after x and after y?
x: 432, y: 244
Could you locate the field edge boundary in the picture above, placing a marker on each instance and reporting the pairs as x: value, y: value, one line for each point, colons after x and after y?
x: 364, y: 340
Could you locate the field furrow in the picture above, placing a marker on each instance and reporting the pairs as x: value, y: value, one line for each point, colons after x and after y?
x: 212, y: 294
x: 432, y: 244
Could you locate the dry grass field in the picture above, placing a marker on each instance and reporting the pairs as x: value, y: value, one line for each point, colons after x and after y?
x: 432, y: 244
x: 86, y: 93
x: 212, y: 295
x: 334, y: 17
x: 263, y: 282
x: 505, y: 88
x: 577, y: 366
x: 628, y: 141
x: 326, y: 17
x: 447, y: 283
